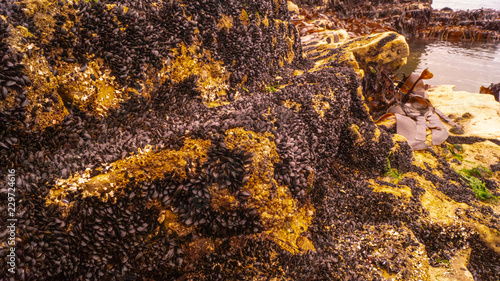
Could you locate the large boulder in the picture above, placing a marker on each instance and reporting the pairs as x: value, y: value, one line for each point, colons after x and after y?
x: 196, y: 140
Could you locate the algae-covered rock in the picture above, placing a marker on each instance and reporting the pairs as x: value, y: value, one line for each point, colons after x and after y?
x: 196, y: 140
x: 413, y: 19
x: 382, y: 52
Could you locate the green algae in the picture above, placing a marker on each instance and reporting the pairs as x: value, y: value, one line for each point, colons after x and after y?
x: 472, y: 176
x: 392, y: 172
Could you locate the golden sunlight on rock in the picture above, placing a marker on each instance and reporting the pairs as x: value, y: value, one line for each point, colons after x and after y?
x: 483, y: 111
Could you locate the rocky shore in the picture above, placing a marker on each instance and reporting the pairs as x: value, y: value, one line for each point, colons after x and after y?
x: 413, y: 19
x: 233, y: 140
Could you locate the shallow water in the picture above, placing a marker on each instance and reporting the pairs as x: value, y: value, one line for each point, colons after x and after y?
x: 468, y: 65
x: 466, y: 4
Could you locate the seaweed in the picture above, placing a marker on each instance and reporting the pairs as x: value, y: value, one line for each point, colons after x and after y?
x: 392, y: 172
x: 472, y: 176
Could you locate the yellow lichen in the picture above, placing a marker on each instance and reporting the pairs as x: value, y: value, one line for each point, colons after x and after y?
x: 265, y: 21
x: 398, y: 138
x: 444, y: 210
x: 305, y: 244
x: 43, y: 83
x: 441, y: 208
x: 457, y: 269
x: 222, y: 200
x: 199, y: 247
x: 310, y: 179
x: 278, y: 23
x: 290, y: 104
x: 392, y: 53
x: 147, y: 165
x: 225, y: 22
x: 376, y: 135
x: 385, y: 50
x: 324, y: 41
x: 43, y: 12
x: 15, y: 38
x: 404, y: 192
x: 244, y: 17
x: 290, y: 53
x: 386, y: 274
x: 423, y: 156
x: 276, y: 6
x: 172, y: 224
x: 213, y: 81
x: 98, y: 95
x: 71, y: 86
x: 125, y: 8
x: 270, y: 115
x: 281, y: 63
x: 483, y: 153
x: 319, y: 105
x: 490, y: 236
x: 344, y: 57
x: 283, y: 220
x: 360, y: 139
x: 316, y: 54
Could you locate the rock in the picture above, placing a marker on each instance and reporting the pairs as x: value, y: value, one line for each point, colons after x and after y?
x: 493, y: 89
x: 483, y: 110
x: 457, y: 130
x: 205, y: 142
x: 413, y: 19
x: 453, y: 269
x: 384, y: 52
x: 293, y: 8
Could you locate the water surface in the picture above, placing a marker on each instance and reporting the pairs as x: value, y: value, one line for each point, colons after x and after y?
x: 468, y: 65
x: 466, y: 4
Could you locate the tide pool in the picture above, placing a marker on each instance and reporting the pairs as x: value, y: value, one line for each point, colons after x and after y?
x: 468, y: 65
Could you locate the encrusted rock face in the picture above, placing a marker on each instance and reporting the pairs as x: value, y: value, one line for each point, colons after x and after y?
x: 413, y: 19
x: 90, y: 56
x: 382, y: 52
x: 195, y: 140
x: 352, y: 3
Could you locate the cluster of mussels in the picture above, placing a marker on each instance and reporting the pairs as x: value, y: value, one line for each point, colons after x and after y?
x: 268, y: 184
x: 12, y: 79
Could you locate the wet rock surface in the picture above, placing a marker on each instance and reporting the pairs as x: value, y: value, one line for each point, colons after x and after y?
x: 413, y: 19
x: 197, y: 140
x: 477, y: 113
